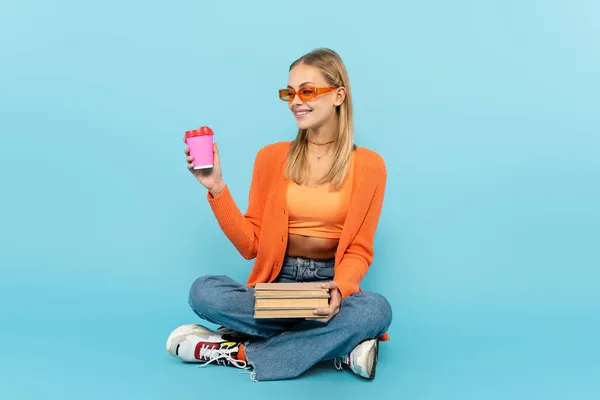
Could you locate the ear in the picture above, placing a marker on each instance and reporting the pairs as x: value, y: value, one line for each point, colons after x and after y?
x: 340, y: 96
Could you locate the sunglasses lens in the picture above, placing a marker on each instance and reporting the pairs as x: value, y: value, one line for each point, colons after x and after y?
x: 308, y: 93
x: 285, y: 94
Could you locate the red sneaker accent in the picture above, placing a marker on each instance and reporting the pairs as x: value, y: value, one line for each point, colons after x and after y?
x: 206, y: 345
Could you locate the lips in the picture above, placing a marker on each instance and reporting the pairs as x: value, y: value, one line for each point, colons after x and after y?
x: 301, y: 113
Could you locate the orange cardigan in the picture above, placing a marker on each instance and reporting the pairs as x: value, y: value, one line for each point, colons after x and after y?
x: 262, y: 231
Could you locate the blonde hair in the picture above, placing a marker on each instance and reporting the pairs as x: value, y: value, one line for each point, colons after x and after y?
x: 333, y: 69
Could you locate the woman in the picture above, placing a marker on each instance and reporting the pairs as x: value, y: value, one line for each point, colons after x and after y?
x: 313, y: 209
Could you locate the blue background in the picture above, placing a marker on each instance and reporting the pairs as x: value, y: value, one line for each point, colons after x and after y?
x: 486, y: 112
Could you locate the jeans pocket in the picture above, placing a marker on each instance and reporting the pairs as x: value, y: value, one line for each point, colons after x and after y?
x: 287, y: 274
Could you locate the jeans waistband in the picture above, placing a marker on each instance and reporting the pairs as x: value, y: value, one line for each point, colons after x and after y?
x: 302, y: 269
x: 308, y: 261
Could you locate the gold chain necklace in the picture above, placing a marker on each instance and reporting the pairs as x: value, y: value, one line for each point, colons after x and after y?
x: 320, y: 144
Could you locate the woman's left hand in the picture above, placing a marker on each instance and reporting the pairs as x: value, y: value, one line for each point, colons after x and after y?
x: 335, y: 302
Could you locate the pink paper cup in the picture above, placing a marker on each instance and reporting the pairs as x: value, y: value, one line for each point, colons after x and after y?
x: 200, y: 142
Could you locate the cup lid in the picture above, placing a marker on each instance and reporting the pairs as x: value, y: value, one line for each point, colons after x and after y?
x: 203, y: 130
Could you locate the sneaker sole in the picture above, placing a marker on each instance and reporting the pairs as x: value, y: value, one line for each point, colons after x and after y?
x: 180, y: 333
x: 372, y: 376
x: 373, y: 351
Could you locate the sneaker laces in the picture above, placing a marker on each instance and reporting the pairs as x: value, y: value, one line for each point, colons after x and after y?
x: 220, y: 356
x: 340, y: 361
x: 338, y: 364
x: 252, y: 374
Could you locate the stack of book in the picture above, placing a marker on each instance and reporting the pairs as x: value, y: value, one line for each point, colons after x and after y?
x: 289, y: 300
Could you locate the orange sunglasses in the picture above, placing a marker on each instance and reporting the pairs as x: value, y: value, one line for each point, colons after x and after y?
x: 305, y: 93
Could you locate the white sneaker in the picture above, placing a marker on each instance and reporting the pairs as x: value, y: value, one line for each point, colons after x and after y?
x: 196, y: 343
x: 362, y: 360
x: 179, y: 334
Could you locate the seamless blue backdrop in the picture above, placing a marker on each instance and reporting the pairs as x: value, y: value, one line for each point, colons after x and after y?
x: 486, y: 112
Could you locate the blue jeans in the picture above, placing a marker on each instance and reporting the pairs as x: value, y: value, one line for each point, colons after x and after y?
x: 285, y: 348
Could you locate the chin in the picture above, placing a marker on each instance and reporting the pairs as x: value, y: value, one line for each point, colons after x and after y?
x: 304, y: 124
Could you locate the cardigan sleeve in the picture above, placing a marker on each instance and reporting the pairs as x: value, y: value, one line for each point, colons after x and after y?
x: 359, y: 255
x: 242, y: 230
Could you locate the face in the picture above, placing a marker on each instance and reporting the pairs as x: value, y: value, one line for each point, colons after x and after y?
x: 317, y: 112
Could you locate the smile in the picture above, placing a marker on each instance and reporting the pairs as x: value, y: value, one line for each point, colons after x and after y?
x: 302, y: 113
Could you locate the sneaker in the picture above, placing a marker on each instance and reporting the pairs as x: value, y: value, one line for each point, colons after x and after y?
x: 231, y: 335
x: 179, y: 334
x: 196, y: 343
x: 362, y: 360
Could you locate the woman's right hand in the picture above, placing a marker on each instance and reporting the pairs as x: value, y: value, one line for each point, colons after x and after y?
x: 210, y: 178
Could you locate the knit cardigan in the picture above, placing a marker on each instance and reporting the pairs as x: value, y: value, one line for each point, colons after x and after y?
x: 262, y: 232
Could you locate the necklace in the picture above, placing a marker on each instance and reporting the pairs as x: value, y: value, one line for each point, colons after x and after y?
x: 324, y: 155
x: 320, y: 144
x: 319, y: 157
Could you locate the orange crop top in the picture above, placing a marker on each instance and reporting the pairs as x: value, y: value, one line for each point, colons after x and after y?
x: 319, y: 211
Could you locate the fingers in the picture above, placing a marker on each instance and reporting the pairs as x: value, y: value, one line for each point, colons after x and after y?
x: 327, y: 311
x: 189, y: 159
x: 329, y: 285
x: 216, y: 158
x: 324, y: 314
x: 334, y: 303
x: 187, y: 150
x: 321, y: 318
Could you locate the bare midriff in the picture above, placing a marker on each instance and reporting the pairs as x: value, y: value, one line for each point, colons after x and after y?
x: 315, y: 248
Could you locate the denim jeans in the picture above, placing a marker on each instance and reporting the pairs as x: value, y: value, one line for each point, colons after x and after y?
x: 285, y: 348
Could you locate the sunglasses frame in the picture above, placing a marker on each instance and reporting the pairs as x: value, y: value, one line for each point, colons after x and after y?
x: 318, y: 92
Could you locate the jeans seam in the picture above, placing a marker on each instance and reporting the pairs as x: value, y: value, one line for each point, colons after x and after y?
x: 248, y: 332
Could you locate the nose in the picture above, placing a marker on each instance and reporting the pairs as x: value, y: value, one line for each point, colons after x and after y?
x: 296, y: 101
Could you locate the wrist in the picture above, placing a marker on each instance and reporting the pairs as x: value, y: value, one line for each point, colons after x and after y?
x: 217, y: 189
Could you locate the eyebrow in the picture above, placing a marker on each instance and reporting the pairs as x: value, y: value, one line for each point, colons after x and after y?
x: 303, y: 84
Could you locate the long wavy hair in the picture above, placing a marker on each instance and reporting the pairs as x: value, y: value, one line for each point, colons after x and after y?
x: 296, y: 169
